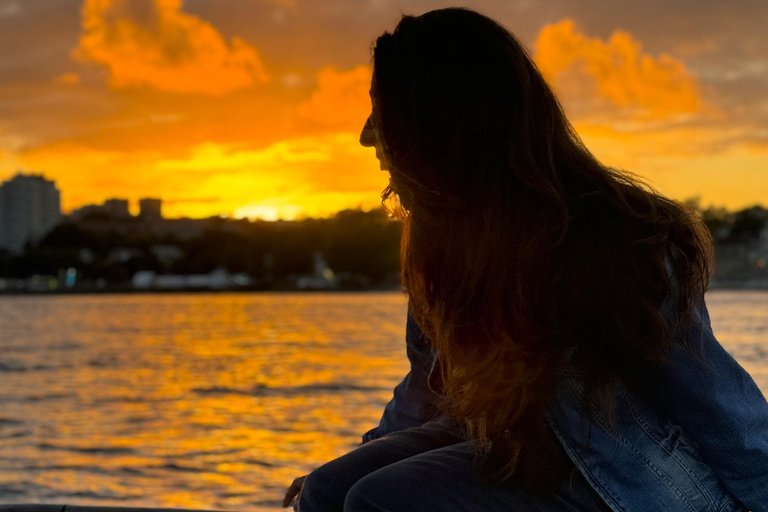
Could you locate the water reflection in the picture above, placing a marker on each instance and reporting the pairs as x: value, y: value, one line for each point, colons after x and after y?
x: 206, y: 401
x: 214, y: 401
x: 740, y: 322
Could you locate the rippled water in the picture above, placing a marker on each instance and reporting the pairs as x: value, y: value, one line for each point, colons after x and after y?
x: 215, y: 401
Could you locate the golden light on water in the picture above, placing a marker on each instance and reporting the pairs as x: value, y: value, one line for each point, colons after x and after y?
x: 216, y: 401
x: 201, y: 401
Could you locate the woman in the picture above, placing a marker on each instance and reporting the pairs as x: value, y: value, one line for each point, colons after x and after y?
x: 561, y: 352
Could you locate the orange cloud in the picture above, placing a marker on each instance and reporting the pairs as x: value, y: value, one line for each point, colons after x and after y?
x: 581, y: 69
x: 674, y: 163
x: 341, y: 98
x: 282, y: 3
x: 67, y: 79
x: 152, y: 43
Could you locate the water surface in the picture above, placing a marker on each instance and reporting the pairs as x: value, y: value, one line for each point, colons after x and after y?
x: 215, y: 400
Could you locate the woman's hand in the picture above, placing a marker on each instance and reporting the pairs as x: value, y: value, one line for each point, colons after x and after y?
x: 293, y: 491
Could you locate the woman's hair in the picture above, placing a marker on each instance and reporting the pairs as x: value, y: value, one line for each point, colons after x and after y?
x: 522, y: 254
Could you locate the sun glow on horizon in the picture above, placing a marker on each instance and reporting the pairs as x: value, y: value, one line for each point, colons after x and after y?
x: 270, y: 210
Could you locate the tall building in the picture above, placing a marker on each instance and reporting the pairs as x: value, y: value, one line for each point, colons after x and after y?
x: 117, y: 208
x: 30, y: 206
x: 150, y: 209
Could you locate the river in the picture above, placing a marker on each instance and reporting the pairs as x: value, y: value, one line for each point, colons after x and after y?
x: 215, y: 401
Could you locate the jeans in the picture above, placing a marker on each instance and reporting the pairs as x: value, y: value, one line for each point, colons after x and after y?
x: 429, y: 468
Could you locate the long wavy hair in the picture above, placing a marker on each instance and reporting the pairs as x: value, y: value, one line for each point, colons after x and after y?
x: 521, y: 253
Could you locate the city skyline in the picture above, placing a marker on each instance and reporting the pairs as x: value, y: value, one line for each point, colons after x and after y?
x: 118, y: 207
x: 253, y: 109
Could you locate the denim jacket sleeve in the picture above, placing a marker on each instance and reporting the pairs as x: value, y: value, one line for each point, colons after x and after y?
x: 413, y: 402
x: 720, y: 409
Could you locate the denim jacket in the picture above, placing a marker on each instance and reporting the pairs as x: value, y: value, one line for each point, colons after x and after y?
x: 708, y: 453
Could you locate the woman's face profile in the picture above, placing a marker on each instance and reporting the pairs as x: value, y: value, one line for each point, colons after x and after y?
x: 369, y: 139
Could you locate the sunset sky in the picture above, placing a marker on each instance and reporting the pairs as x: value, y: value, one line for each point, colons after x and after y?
x: 253, y: 107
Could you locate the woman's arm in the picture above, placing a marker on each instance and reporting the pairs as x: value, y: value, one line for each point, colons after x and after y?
x: 720, y: 409
x: 413, y: 403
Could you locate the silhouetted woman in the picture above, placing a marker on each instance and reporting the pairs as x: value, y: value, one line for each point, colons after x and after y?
x: 561, y: 352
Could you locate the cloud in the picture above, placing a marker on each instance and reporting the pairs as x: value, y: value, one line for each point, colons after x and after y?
x: 217, y: 157
x: 674, y: 162
x: 291, y: 80
x: 153, y: 43
x: 190, y: 200
x: 10, y: 142
x: 341, y: 99
x: 67, y: 79
x: 282, y: 3
x: 9, y: 9
x: 586, y: 70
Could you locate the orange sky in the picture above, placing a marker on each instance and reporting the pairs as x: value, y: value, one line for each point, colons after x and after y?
x: 253, y: 107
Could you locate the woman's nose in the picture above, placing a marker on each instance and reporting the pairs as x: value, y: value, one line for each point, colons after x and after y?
x: 368, y: 136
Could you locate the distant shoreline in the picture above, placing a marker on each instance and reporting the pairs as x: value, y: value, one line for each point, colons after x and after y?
x: 753, y: 284
x: 756, y: 285
x: 192, y: 291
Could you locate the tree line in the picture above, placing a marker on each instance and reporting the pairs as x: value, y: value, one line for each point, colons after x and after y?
x: 360, y: 247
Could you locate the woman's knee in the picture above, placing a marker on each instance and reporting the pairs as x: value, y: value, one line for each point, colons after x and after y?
x: 365, y: 496
x: 321, y: 491
x: 383, y: 491
x: 439, y: 480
